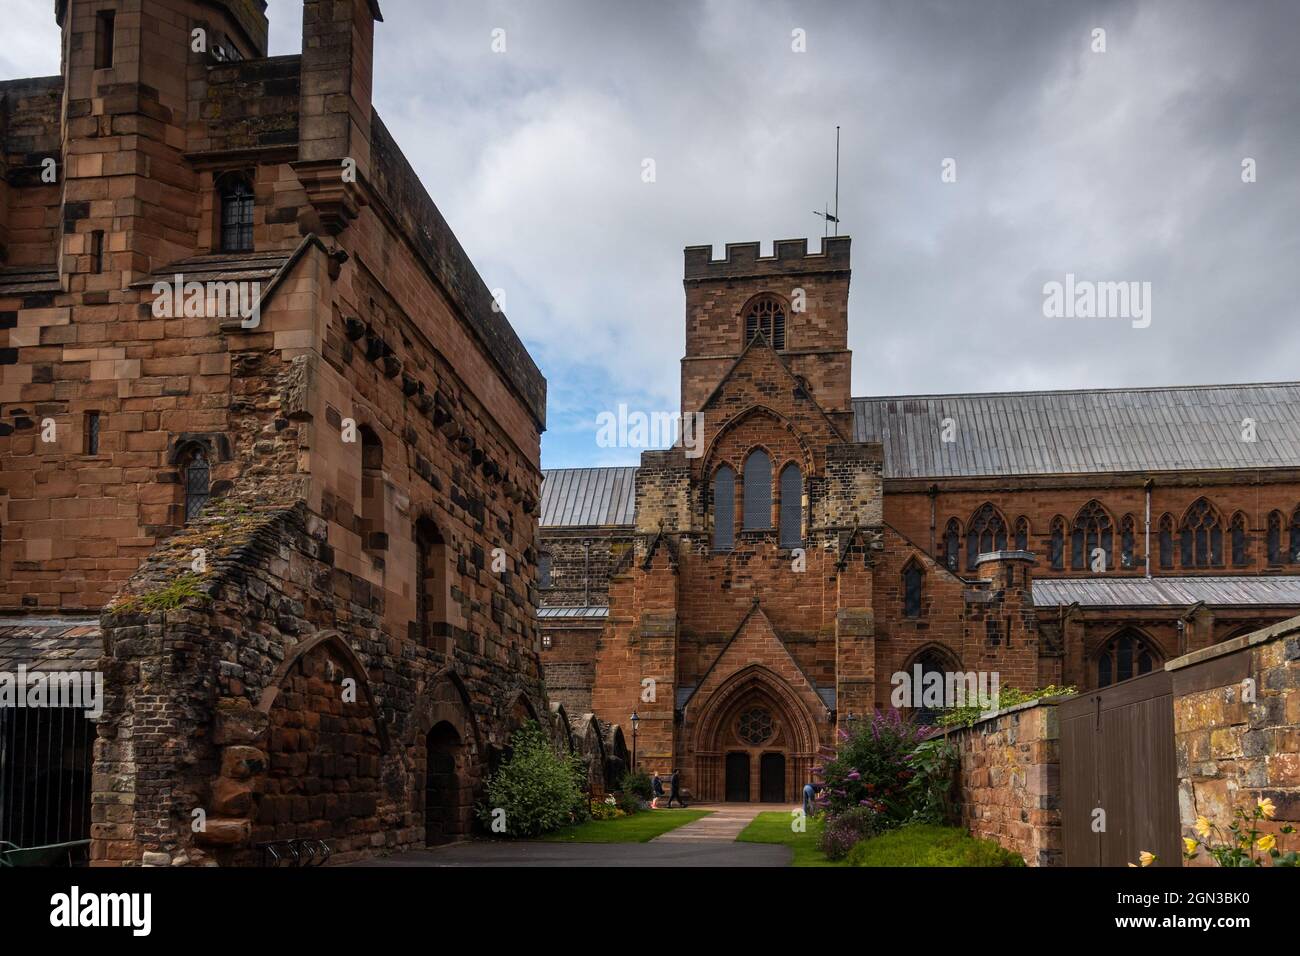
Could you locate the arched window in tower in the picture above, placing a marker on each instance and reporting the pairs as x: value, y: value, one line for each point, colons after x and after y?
x: 952, y: 545
x: 1056, y: 544
x: 197, y: 480
x: 1127, y: 654
x: 1167, y: 541
x: 986, y: 532
x: 724, y: 509
x: 1275, y: 555
x: 1092, y: 530
x: 757, y: 480
x: 766, y: 314
x: 913, y: 579
x: 1127, y: 542
x: 1201, y: 536
x: 1240, y: 540
x: 1022, y: 533
x: 791, y: 526
x: 236, y: 199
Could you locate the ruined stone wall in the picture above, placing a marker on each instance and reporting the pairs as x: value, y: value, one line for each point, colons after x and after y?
x: 1237, y: 731
x: 1010, y: 781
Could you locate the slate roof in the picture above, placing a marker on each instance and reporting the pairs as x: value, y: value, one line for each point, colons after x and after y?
x: 223, y: 267
x: 588, y: 497
x: 1214, y: 590
x: 572, y: 612
x: 23, y: 280
x: 49, y: 644
x: 1076, y: 432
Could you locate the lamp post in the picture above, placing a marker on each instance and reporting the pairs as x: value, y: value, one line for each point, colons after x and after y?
x: 636, y: 722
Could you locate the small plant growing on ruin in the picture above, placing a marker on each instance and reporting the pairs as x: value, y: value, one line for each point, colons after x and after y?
x: 1007, y: 697
x: 184, y: 588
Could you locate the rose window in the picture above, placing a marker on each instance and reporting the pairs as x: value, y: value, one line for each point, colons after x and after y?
x: 755, y: 726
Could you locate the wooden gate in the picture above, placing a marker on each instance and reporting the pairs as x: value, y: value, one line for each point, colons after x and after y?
x: 1117, y: 755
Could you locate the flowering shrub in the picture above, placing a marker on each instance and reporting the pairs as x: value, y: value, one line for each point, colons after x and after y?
x: 1241, y: 844
x: 606, y: 810
x: 873, y: 769
x: 844, y: 830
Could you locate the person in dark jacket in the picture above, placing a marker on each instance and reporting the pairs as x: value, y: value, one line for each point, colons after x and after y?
x: 657, y: 790
x: 675, y: 789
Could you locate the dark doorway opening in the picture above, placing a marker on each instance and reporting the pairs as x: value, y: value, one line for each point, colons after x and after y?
x: 45, y: 769
x: 738, y: 776
x: 771, y: 771
x: 441, y: 785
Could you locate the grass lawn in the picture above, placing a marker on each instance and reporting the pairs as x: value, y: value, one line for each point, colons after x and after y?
x: 773, y: 826
x: 924, y: 845
x: 637, y: 828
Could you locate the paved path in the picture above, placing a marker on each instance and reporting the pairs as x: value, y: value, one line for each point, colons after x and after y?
x: 722, y: 825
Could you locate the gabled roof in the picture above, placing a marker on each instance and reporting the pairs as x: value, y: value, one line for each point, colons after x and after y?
x: 1181, y: 590
x: 588, y: 497
x: 1089, y: 431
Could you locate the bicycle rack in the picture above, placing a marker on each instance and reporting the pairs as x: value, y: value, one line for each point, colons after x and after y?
x: 298, y: 852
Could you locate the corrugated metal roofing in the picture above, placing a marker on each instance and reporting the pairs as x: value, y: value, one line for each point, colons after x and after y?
x: 1073, y: 432
x: 576, y: 611
x: 1219, y: 591
x: 585, y: 497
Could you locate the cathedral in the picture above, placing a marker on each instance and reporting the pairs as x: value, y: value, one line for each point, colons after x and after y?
x: 750, y: 592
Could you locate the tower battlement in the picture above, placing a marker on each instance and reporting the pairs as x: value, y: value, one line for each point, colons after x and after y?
x: 789, y: 256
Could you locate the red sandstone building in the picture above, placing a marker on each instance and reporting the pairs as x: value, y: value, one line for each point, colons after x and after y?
x: 299, y: 546
x: 747, y: 601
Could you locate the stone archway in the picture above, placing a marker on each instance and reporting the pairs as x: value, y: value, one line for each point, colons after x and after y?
x: 445, y: 757
x: 754, y: 740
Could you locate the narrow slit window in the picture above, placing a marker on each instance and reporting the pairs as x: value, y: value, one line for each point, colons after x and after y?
x: 92, y: 433
x: 104, y: 26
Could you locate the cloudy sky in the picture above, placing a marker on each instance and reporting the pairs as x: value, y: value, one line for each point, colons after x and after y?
x: 1123, y: 165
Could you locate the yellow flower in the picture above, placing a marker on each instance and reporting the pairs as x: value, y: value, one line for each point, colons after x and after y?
x: 1189, y: 845
x: 1146, y: 858
x: 1266, y: 842
x: 1266, y: 807
x: 1202, y: 827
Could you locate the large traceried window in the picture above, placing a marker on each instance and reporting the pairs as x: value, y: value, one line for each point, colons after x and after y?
x: 1275, y: 555
x: 913, y: 580
x: 1240, y: 540
x: 1092, y: 530
x: 1295, y: 537
x: 791, y: 526
x: 1022, y: 533
x: 1127, y: 542
x: 758, y: 491
x: 724, y: 509
x: 767, y: 315
x: 952, y: 545
x: 986, y: 532
x: 1126, y: 655
x: 1166, y: 541
x: 1056, y: 544
x: 1201, y: 536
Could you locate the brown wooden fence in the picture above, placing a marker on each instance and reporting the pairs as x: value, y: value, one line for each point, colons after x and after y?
x: 1117, y: 755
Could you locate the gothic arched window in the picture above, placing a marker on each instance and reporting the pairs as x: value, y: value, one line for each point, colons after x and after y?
x: 1295, y: 537
x: 724, y: 509
x: 791, y: 525
x: 1092, y: 530
x: 1240, y: 540
x: 1166, y: 541
x: 766, y: 314
x: 1275, y: 555
x: 1201, y: 536
x: 952, y: 545
x: 932, y: 660
x: 1056, y: 544
x: 986, y: 532
x: 236, y: 199
x: 1022, y: 533
x: 196, y: 474
x: 1127, y: 542
x: 757, y: 480
x: 913, y: 578
x: 544, y: 570
x: 1125, y: 655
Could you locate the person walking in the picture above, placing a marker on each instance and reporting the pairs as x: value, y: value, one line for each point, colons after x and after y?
x: 656, y: 790
x: 675, y: 789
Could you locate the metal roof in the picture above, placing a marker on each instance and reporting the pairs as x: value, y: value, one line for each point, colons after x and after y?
x: 576, y: 611
x: 588, y: 497
x: 1216, y: 590
x: 1074, y: 432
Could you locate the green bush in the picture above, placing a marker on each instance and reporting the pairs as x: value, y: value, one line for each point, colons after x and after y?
x: 638, y: 782
x: 934, y: 764
x: 873, y: 768
x: 921, y: 844
x: 538, y: 789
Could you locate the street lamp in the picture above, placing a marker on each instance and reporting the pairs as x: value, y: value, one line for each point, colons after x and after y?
x: 636, y: 722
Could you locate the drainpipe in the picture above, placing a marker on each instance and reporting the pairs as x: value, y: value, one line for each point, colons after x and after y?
x: 933, y: 492
x: 1147, y: 488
